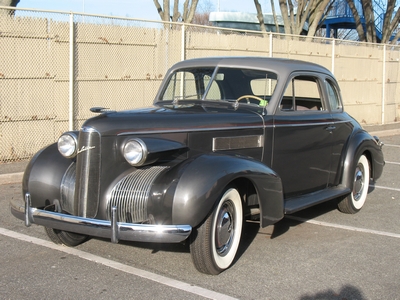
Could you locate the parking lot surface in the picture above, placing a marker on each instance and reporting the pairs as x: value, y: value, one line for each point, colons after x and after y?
x: 318, y: 253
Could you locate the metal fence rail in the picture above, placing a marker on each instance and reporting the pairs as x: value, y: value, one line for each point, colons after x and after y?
x: 56, y: 65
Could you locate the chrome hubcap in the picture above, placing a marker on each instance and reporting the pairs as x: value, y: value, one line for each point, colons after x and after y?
x: 358, y: 183
x: 224, y: 229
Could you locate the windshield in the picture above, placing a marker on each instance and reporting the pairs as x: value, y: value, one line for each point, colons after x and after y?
x: 250, y: 86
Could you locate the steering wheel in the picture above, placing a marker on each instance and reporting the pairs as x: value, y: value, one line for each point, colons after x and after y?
x: 248, y: 97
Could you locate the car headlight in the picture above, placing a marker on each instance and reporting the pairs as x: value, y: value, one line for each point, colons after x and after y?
x: 135, y: 152
x: 67, y: 145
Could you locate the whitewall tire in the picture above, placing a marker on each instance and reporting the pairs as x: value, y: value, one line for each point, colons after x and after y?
x: 215, y: 243
x: 356, y: 200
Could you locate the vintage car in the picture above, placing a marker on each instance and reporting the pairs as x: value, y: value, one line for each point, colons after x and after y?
x: 228, y: 139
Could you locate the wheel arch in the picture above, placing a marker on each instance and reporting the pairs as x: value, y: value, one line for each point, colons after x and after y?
x: 362, y: 143
x: 43, y: 175
x: 203, y: 181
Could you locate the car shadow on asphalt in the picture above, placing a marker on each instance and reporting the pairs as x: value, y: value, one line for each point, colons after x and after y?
x: 313, y: 212
x: 250, y: 231
x: 182, y: 247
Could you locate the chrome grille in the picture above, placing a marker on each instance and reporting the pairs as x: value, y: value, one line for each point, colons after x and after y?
x: 130, y: 195
x: 68, y: 189
x: 88, y: 167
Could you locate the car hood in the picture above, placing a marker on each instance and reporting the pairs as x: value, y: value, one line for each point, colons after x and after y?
x: 175, y: 118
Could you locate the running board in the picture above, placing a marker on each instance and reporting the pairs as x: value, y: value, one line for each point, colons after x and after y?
x: 293, y: 205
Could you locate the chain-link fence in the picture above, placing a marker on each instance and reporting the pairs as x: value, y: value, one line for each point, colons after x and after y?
x: 55, y: 66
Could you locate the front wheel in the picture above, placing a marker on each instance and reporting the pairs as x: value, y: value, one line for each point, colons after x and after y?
x: 215, y: 243
x: 355, y: 201
x: 66, y: 238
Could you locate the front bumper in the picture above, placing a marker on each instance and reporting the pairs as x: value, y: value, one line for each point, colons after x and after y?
x: 99, y: 228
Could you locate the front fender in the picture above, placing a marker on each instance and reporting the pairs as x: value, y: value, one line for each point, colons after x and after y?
x: 43, y: 175
x: 204, y: 179
x: 362, y: 143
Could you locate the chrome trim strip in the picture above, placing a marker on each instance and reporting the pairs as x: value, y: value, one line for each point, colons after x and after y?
x: 100, y: 228
x: 225, y: 128
x: 237, y: 142
x: 189, y: 130
x: 311, y: 124
x: 303, y: 124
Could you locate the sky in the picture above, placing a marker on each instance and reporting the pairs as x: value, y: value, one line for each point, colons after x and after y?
x: 140, y: 9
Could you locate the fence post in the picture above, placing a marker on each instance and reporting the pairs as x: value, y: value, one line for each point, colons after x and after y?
x: 383, y: 84
x: 71, y: 73
x: 333, y: 56
x: 270, y: 45
x: 183, y: 56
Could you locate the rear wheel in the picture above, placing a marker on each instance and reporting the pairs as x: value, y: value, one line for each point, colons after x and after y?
x: 215, y: 243
x: 66, y: 238
x: 355, y: 201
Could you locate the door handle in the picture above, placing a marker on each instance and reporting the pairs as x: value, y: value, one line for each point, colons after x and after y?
x: 330, y: 128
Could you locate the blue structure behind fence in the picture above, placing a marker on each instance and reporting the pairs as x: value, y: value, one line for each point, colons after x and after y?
x: 341, y: 17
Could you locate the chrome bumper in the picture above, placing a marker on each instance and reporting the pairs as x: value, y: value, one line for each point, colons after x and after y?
x: 100, y: 228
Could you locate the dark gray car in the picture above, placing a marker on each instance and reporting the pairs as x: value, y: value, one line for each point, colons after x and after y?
x: 228, y: 139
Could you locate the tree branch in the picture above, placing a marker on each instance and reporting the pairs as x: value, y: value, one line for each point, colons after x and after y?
x: 357, y: 19
x: 260, y: 16
x: 192, y: 11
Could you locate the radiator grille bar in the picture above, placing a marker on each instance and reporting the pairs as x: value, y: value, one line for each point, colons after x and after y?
x: 130, y: 195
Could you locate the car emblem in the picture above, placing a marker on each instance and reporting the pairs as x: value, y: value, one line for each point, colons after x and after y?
x: 85, y: 148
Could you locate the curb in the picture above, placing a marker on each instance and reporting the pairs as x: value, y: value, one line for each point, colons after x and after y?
x: 11, y: 178
x: 382, y: 133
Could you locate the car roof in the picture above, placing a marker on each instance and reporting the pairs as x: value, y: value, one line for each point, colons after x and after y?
x: 278, y: 65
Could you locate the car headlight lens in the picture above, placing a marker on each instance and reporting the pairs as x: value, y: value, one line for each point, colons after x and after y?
x: 67, y: 145
x: 135, y: 152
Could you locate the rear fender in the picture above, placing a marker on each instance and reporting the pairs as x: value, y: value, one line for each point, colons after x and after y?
x: 362, y: 143
x: 204, y: 179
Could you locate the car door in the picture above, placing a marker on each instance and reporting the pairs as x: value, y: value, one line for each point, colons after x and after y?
x: 302, y: 142
x: 342, y: 128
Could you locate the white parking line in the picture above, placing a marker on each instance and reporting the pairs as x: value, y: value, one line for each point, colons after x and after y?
x: 119, y: 266
x: 351, y: 228
x: 391, y: 145
x: 392, y: 163
x: 385, y: 188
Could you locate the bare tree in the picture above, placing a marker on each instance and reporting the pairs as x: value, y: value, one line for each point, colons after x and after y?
x: 369, y: 20
x: 318, y: 12
x: 189, y: 10
x: 310, y: 11
x: 286, y: 16
x: 390, y: 22
x: 359, y: 27
x: 12, y: 3
x: 260, y: 15
x: 390, y: 25
x: 202, y: 15
x: 274, y: 15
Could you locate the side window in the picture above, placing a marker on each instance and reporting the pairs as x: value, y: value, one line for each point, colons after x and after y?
x: 214, y: 92
x: 333, y: 96
x: 181, y: 86
x: 302, y: 94
x: 263, y: 87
